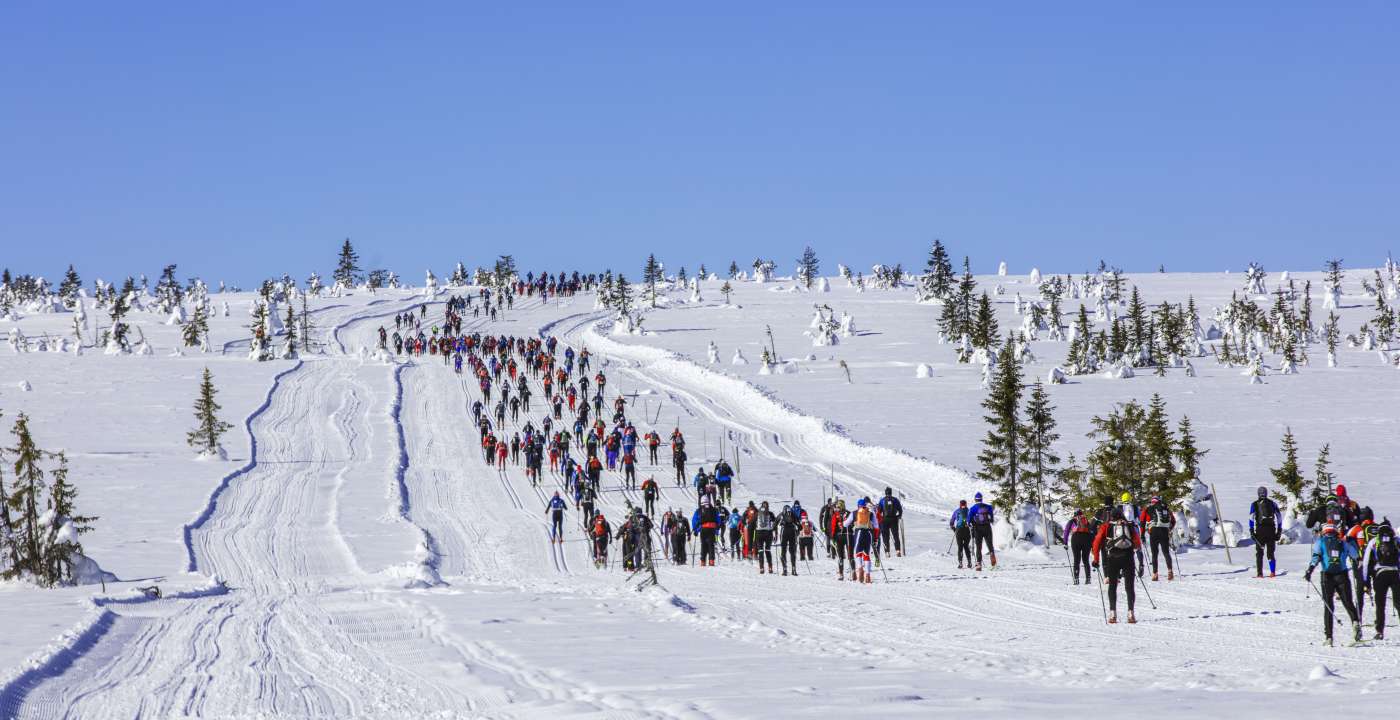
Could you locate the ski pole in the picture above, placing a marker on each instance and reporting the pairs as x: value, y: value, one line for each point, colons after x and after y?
x: 1102, y: 606
x: 1149, y: 595
x: 1331, y: 616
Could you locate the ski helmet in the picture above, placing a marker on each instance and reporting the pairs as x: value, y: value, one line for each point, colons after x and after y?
x: 1368, y: 514
x: 860, y: 502
x: 977, y: 497
x: 1156, y: 500
x: 1263, y: 491
x: 888, y: 491
x: 1127, y: 497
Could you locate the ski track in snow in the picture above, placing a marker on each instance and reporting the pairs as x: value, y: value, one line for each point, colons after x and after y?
x: 294, y: 627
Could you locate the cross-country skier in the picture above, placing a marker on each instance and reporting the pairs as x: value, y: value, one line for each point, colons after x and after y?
x: 787, y: 539
x: 556, y: 511
x: 1382, y: 565
x: 962, y: 532
x: 1337, y: 557
x: 1116, y: 542
x: 1264, y: 529
x: 649, y: 491
x: 763, y: 526
x: 891, y: 515
x: 980, y: 516
x: 1159, y: 521
x: 1079, y: 538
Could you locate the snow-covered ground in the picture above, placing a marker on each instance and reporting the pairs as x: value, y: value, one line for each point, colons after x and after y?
x: 367, y: 562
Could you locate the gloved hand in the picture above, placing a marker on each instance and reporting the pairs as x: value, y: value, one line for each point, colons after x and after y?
x: 1308, y: 575
x: 1094, y: 564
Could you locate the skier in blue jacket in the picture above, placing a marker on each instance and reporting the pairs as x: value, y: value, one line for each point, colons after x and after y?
x: 1337, y: 556
x: 963, y: 532
x: 556, y: 512
x: 980, y: 517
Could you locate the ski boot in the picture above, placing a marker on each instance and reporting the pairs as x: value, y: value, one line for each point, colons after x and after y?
x: 960, y: 565
x: 1076, y: 579
x: 841, y: 575
x: 1170, y: 576
x: 1356, y: 632
x: 784, y: 571
x: 1327, y: 641
x: 1113, y: 618
x: 979, y: 567
x: 1132, y: 619
x: 1154, y: 577
x: 1380, y: 635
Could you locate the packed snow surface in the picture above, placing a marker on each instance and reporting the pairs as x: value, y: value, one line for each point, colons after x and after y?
x: 356, y: 557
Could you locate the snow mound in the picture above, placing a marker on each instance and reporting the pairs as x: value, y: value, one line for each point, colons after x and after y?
x: 739, y: 358
x: 24, y: 386
x: 923, y: 371
x: 823, y: 285
x: 1056, y: 376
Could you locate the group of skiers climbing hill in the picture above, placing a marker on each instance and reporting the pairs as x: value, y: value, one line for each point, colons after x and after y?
x: 1357, y: 556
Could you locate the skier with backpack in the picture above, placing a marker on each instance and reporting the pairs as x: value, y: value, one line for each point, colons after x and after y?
x: 1337, y: 557
x: 981, y: 516
x: 1116, y: 543
x: 787, y: 539
x: 763, y: 525
x: 962, y: 532
x: 1159, y: 521
x: 1264, y: 528
x: 864, y: 525
x: 601, y: 532
x: 1381, y: 563
x: 707, y: 524
x: 1079, y: 537
x: 891, y: 513
x: 649, y: 491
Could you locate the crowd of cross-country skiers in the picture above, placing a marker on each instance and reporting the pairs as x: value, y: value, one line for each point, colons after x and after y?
x: 1358, y: 557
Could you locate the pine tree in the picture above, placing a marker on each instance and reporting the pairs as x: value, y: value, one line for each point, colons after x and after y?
x: 168, y: 291
x: 1333, y: 274
x: 347, y: 269
x: 306, y: 326
x: 62, y: 546
x: 1038, y: 437
x: 1079, y: 359
x: 622, y: 295
x: 651, y: 274
x: 808, y: 267
x: 505, y: 270
x: 197, y: 327
x: 733, y: 270
x: 121, y: 305
x: 1071, y: 488
x: 260, y: 340
x: 938, y: 276
x: 1331, y: 332
x: 605, y: 290
x: 1287, y: 475
x: 1188, y: 463
x: 208, y: 427
x: 1158, y: 447
x: 1138, y: 337
x: 290, y: 324
x: 1001, y: 452
x: 984, y: 329
x: 1116, y: 463
x: 68, y: 289
x: 26, y: 497
x: 1322, y: 478
x: 726, y: 289
x: 681, y: 277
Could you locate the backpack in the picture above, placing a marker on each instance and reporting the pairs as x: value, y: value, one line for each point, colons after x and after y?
x: 862, y: 518
x: 1119, y: 540
x: 764, y: 521
x: 1161, y: 517
x: 1267, y: 513
x: 1387, y: 553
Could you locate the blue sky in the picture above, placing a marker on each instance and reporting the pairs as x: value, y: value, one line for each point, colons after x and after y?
x: 241, y: 142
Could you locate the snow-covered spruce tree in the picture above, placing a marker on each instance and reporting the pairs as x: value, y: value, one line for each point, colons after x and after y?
x: 505, y: 270
x: 314, y: 287
x: 197, y: 329
x: 1254, y: 279
x: 459, y: 276
x: 347, y: 267
x: 1332, y: 278
x: 209, y: 429
x: 1287, y: 475
x: 306, y: 326
x: 1000, y: 458
x: 32, y: 533
x: 289, y: 349
x: 69, y: 288
x: 168, y: 291
x: 375, y: 279
x: 65, y: 525
x: 704, y: 273
x: 1331, y: 333
x: 651, y: 274
x: 984, y: 331
x: 260, y: 341
x: 116, y: 334
x: 726, y: 289
x: 1117, y: 459
x: 681, y: 277
x: 1158, y: 445
x: 1187, y: 455
x: 1039, y: 462
x: 733, y: 270
x: 937, y: 282
x: 1383, y: 322
x: 808, y: 267
x: 622, y: 295
x: 1323, y: 478
x: 1070, y: 489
